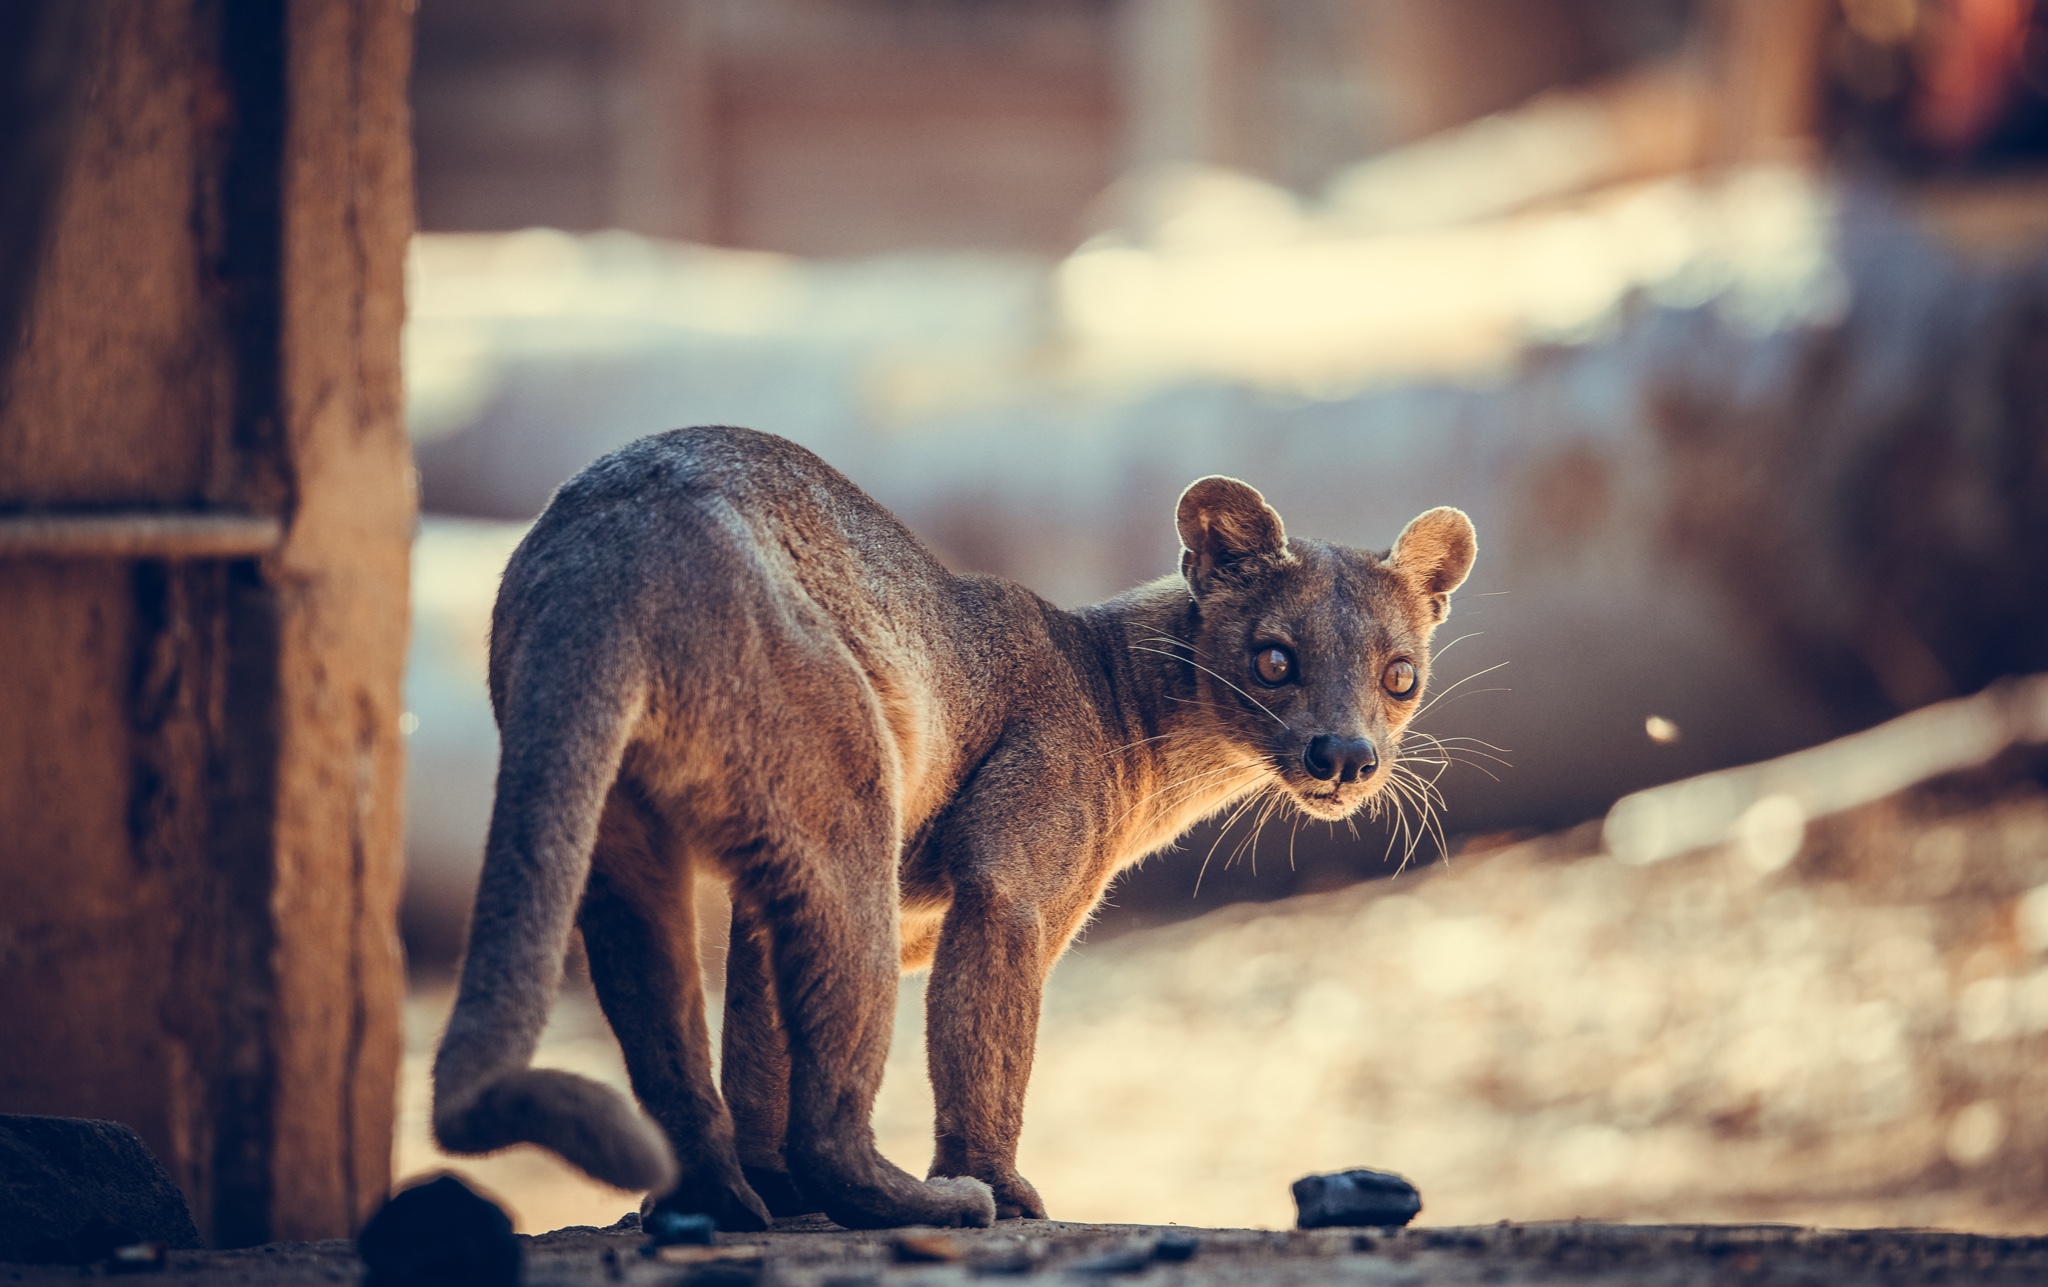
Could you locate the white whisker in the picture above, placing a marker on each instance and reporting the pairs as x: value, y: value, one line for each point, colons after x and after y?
x: 1448, y: 691
x: 1186, y: 783
x: 1221, y: 832
x: 1219, y: 679
x: 1435, y: 653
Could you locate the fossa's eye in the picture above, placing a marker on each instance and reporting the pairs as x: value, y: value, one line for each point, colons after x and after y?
x: 1399, y: 678
x: 1273, y: 664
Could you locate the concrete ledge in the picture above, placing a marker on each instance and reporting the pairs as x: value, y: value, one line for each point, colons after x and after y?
x: 813, y: 1253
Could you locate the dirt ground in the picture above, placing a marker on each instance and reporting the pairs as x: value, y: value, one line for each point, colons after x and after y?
x: 818, y: 1255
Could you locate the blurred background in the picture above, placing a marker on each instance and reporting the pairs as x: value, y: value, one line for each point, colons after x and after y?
x: 1726, y: 320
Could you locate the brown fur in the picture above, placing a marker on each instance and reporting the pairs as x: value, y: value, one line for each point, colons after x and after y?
x: 713, y: 653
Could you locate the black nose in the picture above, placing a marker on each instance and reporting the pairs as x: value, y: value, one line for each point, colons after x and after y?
x: 1346, y: 759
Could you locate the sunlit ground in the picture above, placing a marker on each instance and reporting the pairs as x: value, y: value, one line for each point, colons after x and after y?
x: 1854, y: 1039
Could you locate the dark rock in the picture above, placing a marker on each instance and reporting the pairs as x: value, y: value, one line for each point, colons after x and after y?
x: 1354, y: 1198
x: 440, y: 1234
x: 72, y: 1190
x: 677, y: 1229
x: 1173, y: 1248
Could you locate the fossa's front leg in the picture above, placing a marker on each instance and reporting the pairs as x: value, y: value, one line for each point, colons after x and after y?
x: 981, y: 1025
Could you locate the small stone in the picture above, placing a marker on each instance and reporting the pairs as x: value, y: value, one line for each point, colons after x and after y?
x: 440, y: 1234
x: 72, y: 1190
x: 1123, y: 1260
x: 1375, y: 1198
x: 677, y: 1229
x: 1016, y: 1260
x: 700, y: 1256
x: 924, y: 1249
x: 139, y: 1258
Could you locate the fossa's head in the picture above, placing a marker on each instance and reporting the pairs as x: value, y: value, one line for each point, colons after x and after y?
x: 1314, y: 657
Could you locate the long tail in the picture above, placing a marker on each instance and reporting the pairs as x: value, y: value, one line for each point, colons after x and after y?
x: 564, y: 734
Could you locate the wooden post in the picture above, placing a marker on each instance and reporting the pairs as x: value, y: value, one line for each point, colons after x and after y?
x: 1764, y: 58
x: 206, y: 502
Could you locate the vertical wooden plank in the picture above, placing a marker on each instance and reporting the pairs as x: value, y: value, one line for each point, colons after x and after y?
x: 95, y: 699
x: 117, y: 393
x: 113, y: 701
x: 1764, y: 57
x: 341, y: 580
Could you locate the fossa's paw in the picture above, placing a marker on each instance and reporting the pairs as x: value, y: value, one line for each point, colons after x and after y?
x: 961, y: 1201
x: 778, y: 1188
x: 868, y: 1191
x: 1015, y: 1198
x: 948, y: 1202
x: 731, y: 1203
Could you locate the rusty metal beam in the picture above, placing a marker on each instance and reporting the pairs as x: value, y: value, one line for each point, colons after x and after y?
x: 171, y: 536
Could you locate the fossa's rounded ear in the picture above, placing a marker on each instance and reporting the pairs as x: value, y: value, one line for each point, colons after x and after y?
x: 1223, y: 521
x: 1434, y: 554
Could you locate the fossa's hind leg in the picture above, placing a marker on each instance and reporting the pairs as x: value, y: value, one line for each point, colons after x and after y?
x: 754, y: 1069
x: 640, y: 931
x: 831, y: 912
